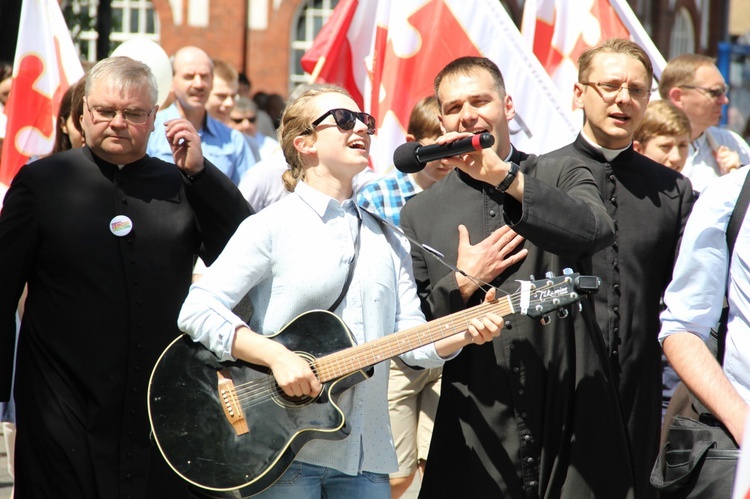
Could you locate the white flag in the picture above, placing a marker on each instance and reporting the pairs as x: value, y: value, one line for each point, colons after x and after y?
x: 396, y: 48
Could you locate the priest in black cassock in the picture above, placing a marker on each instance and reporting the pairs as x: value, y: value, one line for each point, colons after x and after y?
x: 105, y: 237
x: 649, y: 204
x: 534, y: 413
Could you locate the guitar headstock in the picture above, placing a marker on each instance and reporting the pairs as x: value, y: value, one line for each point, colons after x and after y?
x: 540, y: 297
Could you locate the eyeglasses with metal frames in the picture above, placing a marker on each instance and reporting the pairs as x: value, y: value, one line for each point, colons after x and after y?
x: 611, y: 90
x: 714, y: 93
x: 131, y: 116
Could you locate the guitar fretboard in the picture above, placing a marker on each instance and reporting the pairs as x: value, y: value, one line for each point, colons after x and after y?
x: 352, y: 359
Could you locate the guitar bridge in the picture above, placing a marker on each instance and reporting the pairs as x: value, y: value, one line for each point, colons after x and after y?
x: 230, y: 403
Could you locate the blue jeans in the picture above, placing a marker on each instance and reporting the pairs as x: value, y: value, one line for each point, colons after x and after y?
x: 307, y: 481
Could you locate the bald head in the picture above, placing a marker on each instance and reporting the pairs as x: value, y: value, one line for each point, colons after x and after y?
x: 192, y: 80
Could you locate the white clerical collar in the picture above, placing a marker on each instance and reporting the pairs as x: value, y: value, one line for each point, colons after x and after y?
x: 609, y: 154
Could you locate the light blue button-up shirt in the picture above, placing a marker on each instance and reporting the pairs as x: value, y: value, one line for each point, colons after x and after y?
x: 294, y: 257
x: 224, y: 147
x: 695, y: 296
x: 701, y: 166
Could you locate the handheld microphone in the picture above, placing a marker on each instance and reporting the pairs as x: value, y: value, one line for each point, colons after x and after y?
x: 412, y: 157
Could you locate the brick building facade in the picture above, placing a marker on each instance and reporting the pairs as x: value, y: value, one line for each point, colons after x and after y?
x: 257, y: 35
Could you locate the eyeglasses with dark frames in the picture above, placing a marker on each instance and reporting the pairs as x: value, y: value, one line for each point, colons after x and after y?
x: 714, y: 93
x: 346, y: 119
x: 131, y: 116
x: 610, y: 90
x: 251, y: 119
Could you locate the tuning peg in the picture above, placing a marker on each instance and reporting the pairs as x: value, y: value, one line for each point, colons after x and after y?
x: 567, y: 271
x: 563, y: 313
x: 545, y: 320
x: 549, y: 274
x: 532, y: 278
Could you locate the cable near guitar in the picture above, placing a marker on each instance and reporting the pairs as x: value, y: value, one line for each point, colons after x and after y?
x: 228, y: 429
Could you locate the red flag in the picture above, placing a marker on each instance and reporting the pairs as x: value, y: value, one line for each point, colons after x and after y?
x: 560, y: 30
x: 396, y: 48
x: 45, y: 65
x: 329, y: 59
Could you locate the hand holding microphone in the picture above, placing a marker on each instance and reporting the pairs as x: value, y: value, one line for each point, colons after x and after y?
x: 412, y: 157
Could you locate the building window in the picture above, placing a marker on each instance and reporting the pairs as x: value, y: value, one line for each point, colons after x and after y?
x: 682, y: 38
x: 311, y: 18
x: 130, y: 19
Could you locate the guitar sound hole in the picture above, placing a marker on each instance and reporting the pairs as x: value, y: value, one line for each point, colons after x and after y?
x: 291, y: 402
x: 285, y: 400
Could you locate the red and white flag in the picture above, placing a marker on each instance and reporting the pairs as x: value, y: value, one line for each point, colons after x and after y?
x: 45, y: 65
x: 387, y: 54
x: 558, y: 31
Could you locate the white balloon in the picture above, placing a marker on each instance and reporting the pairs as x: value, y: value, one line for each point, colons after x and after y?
x: 151, y: 54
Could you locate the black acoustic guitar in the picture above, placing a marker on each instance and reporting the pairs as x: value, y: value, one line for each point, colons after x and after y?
x: 228, y: 429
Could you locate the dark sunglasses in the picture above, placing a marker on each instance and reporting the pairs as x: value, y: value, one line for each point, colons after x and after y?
x: 346, y: 119
x: 240, y: 120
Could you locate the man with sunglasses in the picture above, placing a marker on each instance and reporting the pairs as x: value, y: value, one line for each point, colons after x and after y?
x: 105, y: 238
x: 649, y: 205
x: 243, y: 117
x: 693, y: 83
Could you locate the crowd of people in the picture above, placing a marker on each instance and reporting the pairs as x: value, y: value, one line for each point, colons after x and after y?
x: 215, y: 216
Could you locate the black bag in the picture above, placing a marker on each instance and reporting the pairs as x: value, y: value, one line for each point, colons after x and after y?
x: 697, y: 462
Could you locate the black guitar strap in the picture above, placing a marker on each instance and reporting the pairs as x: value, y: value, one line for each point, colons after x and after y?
x: 353, y: 263
x: 733, y: 229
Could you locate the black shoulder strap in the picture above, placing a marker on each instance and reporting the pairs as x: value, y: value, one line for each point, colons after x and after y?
x: 733, y: 229
x: 349, y: 276
x: 738, y: 215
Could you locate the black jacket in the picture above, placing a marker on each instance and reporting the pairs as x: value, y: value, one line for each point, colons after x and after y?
x: 535, y: 412
x: 99, y: 312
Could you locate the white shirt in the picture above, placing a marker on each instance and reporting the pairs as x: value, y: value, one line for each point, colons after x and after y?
x: 695, y: 296
x: 261, y: 185
x: 701, y: 167
x: 294, y: 257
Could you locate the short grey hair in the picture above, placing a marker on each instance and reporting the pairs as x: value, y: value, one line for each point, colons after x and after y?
x: 245, y: 105
x: 124, y: 73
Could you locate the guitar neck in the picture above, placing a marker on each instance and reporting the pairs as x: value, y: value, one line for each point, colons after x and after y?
x: 358, y: 357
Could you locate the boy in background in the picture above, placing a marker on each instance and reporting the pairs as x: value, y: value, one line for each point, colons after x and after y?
x: 664, y: 135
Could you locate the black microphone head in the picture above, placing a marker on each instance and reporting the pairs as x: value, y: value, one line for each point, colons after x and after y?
x: 405, y: 158
x: 486, y: 140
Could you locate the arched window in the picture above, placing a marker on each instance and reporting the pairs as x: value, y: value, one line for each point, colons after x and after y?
x: 682, y: 38
x: 312, y: 16
x: 130, y: 19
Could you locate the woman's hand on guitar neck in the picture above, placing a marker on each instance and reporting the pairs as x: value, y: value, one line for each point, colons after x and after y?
x: 481, y: 330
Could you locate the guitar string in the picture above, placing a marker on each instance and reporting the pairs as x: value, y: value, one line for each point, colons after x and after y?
x: 257, y: 391
x: 243, y: 389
